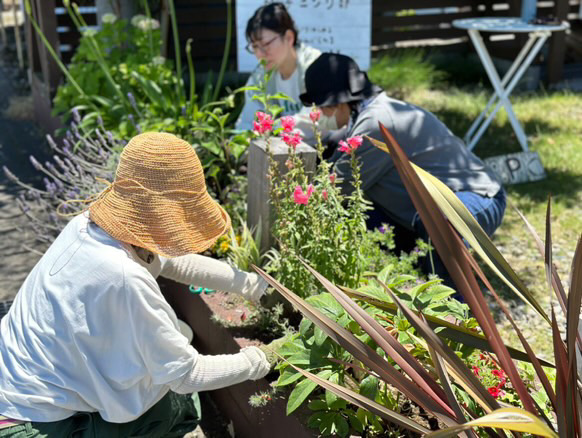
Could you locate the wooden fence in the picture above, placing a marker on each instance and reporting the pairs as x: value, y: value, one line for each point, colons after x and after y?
x: 394, y: 23
x: 44, y: 72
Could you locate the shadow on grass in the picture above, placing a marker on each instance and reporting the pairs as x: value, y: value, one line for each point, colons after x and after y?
x: 497, y: 140
x: 563, y: 185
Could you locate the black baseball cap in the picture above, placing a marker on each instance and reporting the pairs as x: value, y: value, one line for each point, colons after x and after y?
x: 333, y: 78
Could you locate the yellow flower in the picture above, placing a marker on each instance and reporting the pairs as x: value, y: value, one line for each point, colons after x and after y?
x: 224, y: 246
x: 238, y: 240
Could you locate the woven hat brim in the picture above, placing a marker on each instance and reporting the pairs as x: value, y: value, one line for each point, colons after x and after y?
x: 179, y: 226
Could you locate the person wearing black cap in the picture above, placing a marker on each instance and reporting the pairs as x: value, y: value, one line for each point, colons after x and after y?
x: 336, y: 85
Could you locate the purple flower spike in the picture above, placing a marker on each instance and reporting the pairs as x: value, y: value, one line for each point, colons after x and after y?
x: 76, y: 115
x: 132, y: 102
x: 382, y: 229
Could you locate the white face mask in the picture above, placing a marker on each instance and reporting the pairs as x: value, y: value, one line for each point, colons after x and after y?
x: 328, y: 123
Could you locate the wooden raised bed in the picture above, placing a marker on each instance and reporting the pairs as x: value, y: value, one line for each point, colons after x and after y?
x: 213, y: 338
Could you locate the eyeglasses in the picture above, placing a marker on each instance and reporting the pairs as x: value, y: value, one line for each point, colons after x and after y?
x: 254, y: 47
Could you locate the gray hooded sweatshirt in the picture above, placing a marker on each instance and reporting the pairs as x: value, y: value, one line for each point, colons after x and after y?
x: 426, y: 141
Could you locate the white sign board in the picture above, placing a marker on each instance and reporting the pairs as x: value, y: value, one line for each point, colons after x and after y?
x: 341, y: 26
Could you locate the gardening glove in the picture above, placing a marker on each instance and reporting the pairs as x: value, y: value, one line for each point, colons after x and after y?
x: 271, y: 349
x: 213, y: 274
x: 214, y: 372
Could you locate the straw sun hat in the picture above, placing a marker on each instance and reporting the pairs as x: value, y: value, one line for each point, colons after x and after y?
x: 158, y: 200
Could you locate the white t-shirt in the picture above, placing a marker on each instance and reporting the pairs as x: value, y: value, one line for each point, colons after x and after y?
x: 95, y: 335
x: 290, y: 87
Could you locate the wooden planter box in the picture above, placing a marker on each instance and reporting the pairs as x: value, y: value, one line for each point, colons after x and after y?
x: 233, y: 402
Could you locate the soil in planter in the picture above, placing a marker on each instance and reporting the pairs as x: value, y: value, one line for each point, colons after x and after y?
x: 245, y: 322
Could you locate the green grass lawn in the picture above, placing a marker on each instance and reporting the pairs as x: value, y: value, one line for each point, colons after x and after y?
x: 553, y: 124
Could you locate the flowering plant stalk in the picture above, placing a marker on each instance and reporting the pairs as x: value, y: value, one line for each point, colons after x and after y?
x: 69, y: 179
x: 313, y: 219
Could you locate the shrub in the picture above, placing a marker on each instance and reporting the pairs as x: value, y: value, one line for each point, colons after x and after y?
x: 399, y: 74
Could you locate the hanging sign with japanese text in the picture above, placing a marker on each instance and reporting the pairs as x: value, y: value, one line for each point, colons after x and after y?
x: 341, y: 26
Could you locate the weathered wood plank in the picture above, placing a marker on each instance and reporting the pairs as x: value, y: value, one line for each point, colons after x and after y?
x: 259, y: 210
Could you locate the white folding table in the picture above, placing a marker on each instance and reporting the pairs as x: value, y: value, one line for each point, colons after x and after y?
x: 538, y: 34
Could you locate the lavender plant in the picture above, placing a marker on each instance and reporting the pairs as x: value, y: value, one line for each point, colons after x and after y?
x: 79, y: 165
x: 118, y: 76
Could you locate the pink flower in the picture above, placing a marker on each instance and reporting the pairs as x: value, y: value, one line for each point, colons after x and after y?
x: 291, y: 140
x: 324, y: 194
x: 264, y: 124
x: 355, y: 142
x: 344, y: 147
x: 314, y: 115
x: 256, y: 127
x: 332, y: 178
x: 300, y: 197
x: 288, y: 123
x: 351, y: 145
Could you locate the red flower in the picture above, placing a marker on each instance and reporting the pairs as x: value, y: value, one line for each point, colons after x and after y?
x: 324, y: 194
x: 476, y: 370
x: 482, y: 356
x: 332, y: 177
x: 500, y: 374
x: 494, y: 391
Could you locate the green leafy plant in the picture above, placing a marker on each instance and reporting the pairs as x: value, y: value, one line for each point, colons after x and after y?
x: 325, y: 355
x: 245, y: 248
x: 432, y: 384
x: 134, y: 89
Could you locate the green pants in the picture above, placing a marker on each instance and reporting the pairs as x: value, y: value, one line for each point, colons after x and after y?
x: 173, y: 416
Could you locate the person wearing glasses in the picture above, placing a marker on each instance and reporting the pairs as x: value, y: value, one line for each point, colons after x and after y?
x: 273, y: 38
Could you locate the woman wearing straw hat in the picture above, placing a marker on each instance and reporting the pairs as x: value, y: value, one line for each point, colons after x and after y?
x: 90, y: 347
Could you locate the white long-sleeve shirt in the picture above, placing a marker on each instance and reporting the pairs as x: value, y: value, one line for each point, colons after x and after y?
x: 90, y: 331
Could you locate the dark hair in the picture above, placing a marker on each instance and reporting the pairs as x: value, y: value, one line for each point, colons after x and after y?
x: 274, y: 17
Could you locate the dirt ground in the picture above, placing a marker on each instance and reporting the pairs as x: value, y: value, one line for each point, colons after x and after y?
x: 19, y: 138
